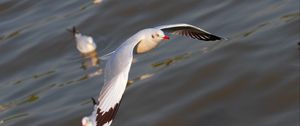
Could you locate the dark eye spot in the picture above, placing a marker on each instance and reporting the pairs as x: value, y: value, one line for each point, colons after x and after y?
x: 152, y: 36
x: 157, y: 35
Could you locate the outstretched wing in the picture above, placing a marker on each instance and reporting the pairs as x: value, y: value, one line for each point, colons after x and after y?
x: 107, y: 56
x: 189, y: 30
x: 115, y: 81
x: 109, y: 101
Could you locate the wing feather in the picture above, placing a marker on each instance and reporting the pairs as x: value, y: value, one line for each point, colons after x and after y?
x: 115, y: 81
x: 109, y: 100
x: 189, y: 30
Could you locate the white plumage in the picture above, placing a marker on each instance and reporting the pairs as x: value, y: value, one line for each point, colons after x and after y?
x: 84, y: 44
x: 119, y: 63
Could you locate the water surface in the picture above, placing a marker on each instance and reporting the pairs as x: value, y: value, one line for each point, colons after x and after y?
x: 252, y: 79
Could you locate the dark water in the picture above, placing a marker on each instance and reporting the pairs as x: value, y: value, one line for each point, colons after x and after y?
x: 250, y: 80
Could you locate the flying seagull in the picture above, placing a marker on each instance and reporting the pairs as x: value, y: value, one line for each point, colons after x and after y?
x: 85, y: 44
x: 119, y: 63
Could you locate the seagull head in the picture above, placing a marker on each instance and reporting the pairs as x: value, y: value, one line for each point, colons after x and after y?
x: 86, y: 121
x: 158, y: 34
x: 155, y: 35
x: 152, y: 37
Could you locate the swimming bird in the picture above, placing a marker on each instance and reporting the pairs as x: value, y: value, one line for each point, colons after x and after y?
x: 118, y: 66
x: 85, y: 44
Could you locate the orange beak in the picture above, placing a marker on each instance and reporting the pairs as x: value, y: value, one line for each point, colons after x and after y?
x: 166, y: 37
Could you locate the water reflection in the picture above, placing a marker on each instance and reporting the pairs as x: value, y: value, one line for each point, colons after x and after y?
x: 11, y: 35
x: 91, y: 60
x: 89, y: 4
x: 171, y: 60
x: 13, y: 117
x: 139, y: 78
x: 21, y: 90
x: 3, y: 107
x: 90, y: 64
x: 290, y: 17
x: 35, y: 76
x: 166, y: 63
x: 255, y: 29
x: 30, y: 98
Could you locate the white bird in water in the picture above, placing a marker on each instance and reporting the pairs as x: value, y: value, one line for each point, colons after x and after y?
x: 119, y: 63
x: 85, y: 44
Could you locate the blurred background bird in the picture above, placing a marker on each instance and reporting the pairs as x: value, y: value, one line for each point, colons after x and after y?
x: 85, y: 44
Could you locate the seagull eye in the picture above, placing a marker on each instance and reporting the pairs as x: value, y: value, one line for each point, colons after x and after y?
x: 152, y: 36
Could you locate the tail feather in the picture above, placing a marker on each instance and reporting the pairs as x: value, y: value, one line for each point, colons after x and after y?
x: 73, y: 30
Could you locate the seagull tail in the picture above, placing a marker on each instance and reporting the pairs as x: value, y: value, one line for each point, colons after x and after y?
x: 73, y: 30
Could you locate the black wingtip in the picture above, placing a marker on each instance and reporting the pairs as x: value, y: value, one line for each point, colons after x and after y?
x: 216, y: 38
x: 104, y: 117
x: 94, y: 101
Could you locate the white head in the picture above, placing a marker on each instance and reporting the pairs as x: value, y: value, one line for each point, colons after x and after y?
x: 152, y: 37
x: 155, y: 35
x: 86, y: 121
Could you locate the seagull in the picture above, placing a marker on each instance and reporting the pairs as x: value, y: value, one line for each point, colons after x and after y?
x: 118, y: 66
x: 85, y: 44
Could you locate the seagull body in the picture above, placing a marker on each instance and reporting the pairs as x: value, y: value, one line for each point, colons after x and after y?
x: 119, y: 63
x: 85, y: 44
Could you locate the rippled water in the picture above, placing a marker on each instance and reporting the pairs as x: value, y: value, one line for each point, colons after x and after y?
x: 250, y: 80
